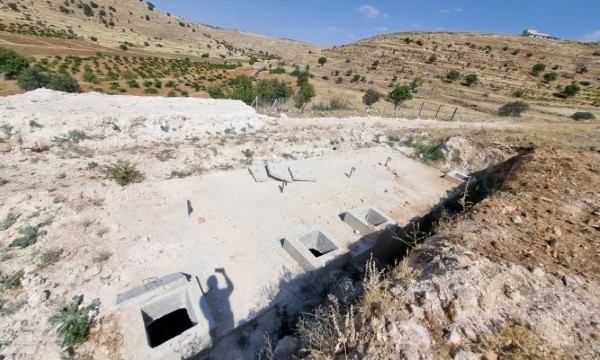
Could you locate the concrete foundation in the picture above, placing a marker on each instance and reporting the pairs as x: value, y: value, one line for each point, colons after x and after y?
x: 232, y: 240
x: 316, y: 249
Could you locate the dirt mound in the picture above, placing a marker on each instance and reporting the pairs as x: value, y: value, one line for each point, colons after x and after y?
x: 547, y: 214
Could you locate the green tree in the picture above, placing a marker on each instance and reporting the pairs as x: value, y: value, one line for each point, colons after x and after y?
x: 471, y: 79
x: 32, y: 78
x: 400, y: 94
x: 242, y: 89
x: 370, y: 97
x: 571, y: 90
x: 453, y: 75
x: 12, y: 63
x: 514, y: 108
x: 322, y: 60
x: 304, y: 95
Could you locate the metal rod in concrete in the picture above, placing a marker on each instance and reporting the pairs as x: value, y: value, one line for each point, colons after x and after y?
x: 190, y: 209
x: 351, y: 172
x: 282, y: 186
x: 387, y: 161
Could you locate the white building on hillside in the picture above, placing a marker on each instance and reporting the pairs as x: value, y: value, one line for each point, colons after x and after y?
x: 535, y: 34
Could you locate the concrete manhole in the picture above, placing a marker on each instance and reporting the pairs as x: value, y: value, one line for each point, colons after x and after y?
x: 168, y: 317
x: 315, y: 249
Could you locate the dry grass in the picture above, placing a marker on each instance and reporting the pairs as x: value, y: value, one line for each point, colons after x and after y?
x: 516, y: 340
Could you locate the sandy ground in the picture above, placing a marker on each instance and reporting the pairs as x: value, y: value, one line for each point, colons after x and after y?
x: 54, y: 144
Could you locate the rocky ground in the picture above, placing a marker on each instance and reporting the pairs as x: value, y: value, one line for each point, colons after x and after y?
x: 524, y: 259
x: 514, y: 277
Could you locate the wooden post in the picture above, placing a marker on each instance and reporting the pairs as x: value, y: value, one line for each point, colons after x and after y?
x: 454, y: 114
x: 437, y: 112
x: 420, y: 109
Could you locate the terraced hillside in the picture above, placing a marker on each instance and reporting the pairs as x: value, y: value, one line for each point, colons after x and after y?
x: 503, y: 65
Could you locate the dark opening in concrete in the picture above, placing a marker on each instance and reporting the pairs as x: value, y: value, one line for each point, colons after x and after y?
x: 318, y: 243
x: 167, y: 327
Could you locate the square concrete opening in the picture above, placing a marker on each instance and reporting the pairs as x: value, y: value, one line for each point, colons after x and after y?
x: 318, y: 243
x: 315, y: 249
x: 374, y: 218
x: 168, y: 318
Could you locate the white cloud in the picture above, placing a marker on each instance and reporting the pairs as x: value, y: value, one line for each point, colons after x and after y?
x: 381, y: 29
x: 369, y: 11
x: 447, y: 11
x: 331, y: 28
x: 593, y: 36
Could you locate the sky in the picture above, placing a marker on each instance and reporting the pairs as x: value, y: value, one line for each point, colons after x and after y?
x: 329, y: 23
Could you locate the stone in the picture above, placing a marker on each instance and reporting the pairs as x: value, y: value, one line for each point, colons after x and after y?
x: 279, y: 172
x: 39, y: 297
x: 557, y: 231
x: 470, y: 334
x: 285, y: 348
x: 517, y: 220
x: 4, y: 147
x: 465, y: 355
x: 453, y: 337
x: 490, y: 355
x: 538, y: 272
x: 301, y: 174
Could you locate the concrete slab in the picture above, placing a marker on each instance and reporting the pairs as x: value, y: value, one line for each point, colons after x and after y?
x: 167, y: 318
x: 238, y: 224
x: 316, y: 249
x: 279, y: 172
x: 302, y: 174
x: 259, y: 173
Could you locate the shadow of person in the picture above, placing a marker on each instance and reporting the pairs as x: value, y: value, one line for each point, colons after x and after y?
x: 219, y: 306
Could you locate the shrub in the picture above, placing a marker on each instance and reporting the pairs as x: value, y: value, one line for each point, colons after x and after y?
x: 304, y: 95
x: 87, y: 10
x: 29, y: 236
x: 551, y: 76
x: 89, y: 75
x: 453, y: 75
x: 74, y: 321
x: 399, y: 94
x: 151, y: 90
x: 277, y: 70
x: 123, y: 47
x: 13, y: 281
x: 31, y: 79
x: 123, y: 173
x: 432, y: 59
x: 471, y: 79
x: 322, y: 60
x: 13, y: 6
x: 583, y: 115
x: 514, y: 108
x: 538, y: 68
x: 370, y: 97
x: 12, y: 63
x: 571, y: 90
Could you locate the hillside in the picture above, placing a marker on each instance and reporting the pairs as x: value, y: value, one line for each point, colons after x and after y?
x: 118, y: 37
x: 144, y: 28
x: 503, y: 64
